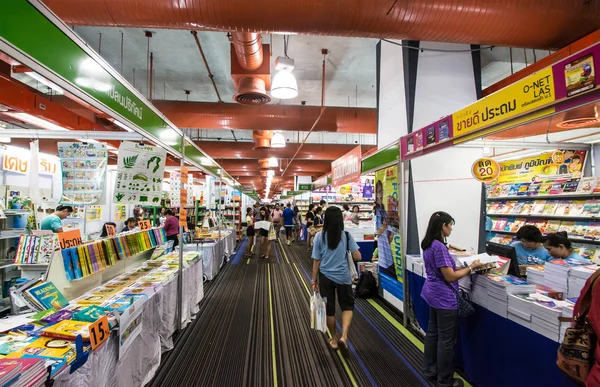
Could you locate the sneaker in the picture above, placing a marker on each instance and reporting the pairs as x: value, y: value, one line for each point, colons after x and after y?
x: 288, y: 243
x: 458, y: 383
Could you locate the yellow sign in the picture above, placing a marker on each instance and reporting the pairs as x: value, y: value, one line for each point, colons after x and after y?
x: 485, y: 170
x: 563, y: 163
x: 521, y: 97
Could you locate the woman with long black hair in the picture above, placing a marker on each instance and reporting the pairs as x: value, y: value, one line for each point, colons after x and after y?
x: 265, y: 216
x: 331, y: 272
x: 249, y: 231
x: 439, y: 292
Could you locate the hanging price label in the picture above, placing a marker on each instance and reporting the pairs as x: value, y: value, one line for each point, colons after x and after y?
x: 145, y: 225
x: 99, y: 332
x: 111, y: 231
x: 70, y: 239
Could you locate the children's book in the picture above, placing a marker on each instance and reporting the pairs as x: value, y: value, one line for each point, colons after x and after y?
x: 545, y: 188
x: 523, y: 189
x: 93, y: 299
x: 591, y: 208
x: 514, y: 189
x: 48, y: 346
x: 56, y: 364
x: 508, y: 207
x: 431, y: 135
x: 563, y: 208
x: 586, y: 185
x: 576, y: 208
x: 579, y: 230
x: 567, y: 226
x: 571, y: 186
x: 557, y: 187
x: 509, y: 224
x: 550, y: 207
x: 493, y: 208
x: 68, y: 330
x: 518, y: 223
x: 596, y: 186
x: 48, y: 296
x: 552, y: 226
x: 533, y: 189
x: 518, y: 207
x: 527, y: 207
x: 419, y: 138
x: 505, y: 190
x: 593, y: 231
x: 11, y: 343
x: 541, y: 224
x: 538, y: 207
x: 507, y: 240
x: 497, y: 191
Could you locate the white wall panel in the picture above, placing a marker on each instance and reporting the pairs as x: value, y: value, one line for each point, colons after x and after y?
x: 392, y: 98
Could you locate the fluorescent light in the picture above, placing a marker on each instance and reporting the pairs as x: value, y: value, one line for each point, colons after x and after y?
x: 46, y: 82
x: 278, y: 140
x: 122, y: 125
x: 273, y: 162
x: 91, y: 83
x: 33, y: 120
x: 284, y: 85
x: 5, y: 139
x: 206, y: 161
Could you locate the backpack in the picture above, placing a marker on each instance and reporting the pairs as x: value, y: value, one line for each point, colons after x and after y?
x: 367, y: 285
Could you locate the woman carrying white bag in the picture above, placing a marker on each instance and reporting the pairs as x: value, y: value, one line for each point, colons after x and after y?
x: 332, y: 273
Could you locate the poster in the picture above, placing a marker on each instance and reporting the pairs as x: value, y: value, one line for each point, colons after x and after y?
x: 120, y: 212
x: 93, y: 213
x: 387, y: 222
x: 565, y: 163
x: 183, y: 197
x: 175, y: 189
x: 580, y: 75
x: 83, y: 171
x: 140, y: 173
x: 130, y: 325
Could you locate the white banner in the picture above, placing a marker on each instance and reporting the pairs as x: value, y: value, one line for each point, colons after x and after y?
x: 140, y: 172
x: 83, y: 171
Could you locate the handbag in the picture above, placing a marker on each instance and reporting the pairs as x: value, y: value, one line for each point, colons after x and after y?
x: 576, y: 353
x: 350, y: 261
x: 272, y: 234
x: 465, y: 307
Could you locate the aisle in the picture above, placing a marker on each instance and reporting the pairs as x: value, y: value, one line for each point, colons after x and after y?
x: 253, y: 330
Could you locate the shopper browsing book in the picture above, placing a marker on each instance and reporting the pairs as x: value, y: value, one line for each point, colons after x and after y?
x: 559, y: 246
x: 439, y: 292
x: 53, y: 222
x: 331, y: 273
x: 529, y: 248
x: 172, y: 227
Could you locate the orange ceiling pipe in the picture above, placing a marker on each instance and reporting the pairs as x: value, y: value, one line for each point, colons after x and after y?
x: 262, y: 139
x: 515, y: 23
x: 269, y: 117
x: 248, y: 49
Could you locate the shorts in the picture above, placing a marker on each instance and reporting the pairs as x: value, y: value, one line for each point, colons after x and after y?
x: 250, y: 231
x: 289, y: 229
x: 263, y: 233
x: 328, y: 289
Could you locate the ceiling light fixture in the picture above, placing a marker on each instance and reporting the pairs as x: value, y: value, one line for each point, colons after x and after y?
x: 284, y: 85
x: 278, y: 140
x: 46, y: 82
x: 273, y: 162
x: 206, y: 161
x: 33, y: 120
x: 122, y: 126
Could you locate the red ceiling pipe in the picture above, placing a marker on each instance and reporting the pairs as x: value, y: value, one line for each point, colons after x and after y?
x: 268, y: 117
x: 248, y: 49
x: 515, y: 23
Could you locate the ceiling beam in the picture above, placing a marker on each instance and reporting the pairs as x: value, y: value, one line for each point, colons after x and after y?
x: 244, y: 150
x: 251, y: 165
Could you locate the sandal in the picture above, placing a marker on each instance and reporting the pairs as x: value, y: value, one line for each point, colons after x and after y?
x: 331, y: 341
x: 343, y: 348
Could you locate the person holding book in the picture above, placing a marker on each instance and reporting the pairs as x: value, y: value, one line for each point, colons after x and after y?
x: 53, y: 222
x: 559, y: 246
x: 529, y: 247
x: 440, y: 292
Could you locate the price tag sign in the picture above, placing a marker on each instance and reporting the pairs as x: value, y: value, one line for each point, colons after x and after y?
x: 70, y: 239
x: 111, y: 231
x: 145, y: 225
x: 99, y: 332
x: 485, y: 170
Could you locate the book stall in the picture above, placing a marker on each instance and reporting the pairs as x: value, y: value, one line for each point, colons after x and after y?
x: 528, y: 152
x: 94, y: 285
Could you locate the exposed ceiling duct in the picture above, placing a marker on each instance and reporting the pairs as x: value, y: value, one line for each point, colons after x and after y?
x: 268, y: 117
x: 513, y: 23
x: 262, y: 139
x: 251, y: 91
x: 248, y: 49
x: 251, y: 75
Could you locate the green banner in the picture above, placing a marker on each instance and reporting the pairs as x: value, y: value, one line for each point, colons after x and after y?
x: 381, y: 158
x: 28, y: 30
x: 305, y: 187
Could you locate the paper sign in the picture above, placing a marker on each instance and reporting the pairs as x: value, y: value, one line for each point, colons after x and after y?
x: 70, y: 239
x: 110, y: 230
x: 485, y: 170
x: 130, y: 325
x: 99, y: 332
x: 183, y: 217
x: 145, y: 225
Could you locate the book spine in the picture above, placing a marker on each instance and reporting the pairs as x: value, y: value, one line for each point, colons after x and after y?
x: 68, y: 265
x: 93, y: 259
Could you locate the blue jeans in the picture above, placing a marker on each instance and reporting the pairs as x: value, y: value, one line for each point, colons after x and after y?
x: 440, y: 341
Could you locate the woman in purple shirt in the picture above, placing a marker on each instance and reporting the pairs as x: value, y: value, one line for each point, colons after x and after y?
x: 172, y: 227
x: 439, y: 293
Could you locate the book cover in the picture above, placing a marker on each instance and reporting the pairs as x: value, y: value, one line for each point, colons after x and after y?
x: 497, y: 191
x: 523, y: 189
x: 593, y: 231
x: 518, y: 223
x: 48, y: 296
x: 576, y: 208
x: 545, y: 188
x: 541, y: 224
x: 123, y: 303
x: 518, y: 208
x: 586, y: 185
x: 430, y: 135
x: 550, y: 207
x: 48, y: 346
x: 63, y: 314
x: 508, y: 207
x: 571, y: 186
x: 443, y: 131
x: 505, y: 190
x: 93, y: 299
x: 68, y: 330
x: 557, y: 187
x: 538, y: 207
x: 567, y: 226
x: 579, y: 230
x: 563, y: 208
x: 12, y: 343
x: 514, y: 189
x: 589, y: 252
x: 509, y: 224
x: 507, y: 240
x: 549, y: 292
x: 552, y: 226
x: 493, y: 209
x: 56, y: 364
x: 596, y: 186
x: 527, y: 207
x: 419, y: 140
x: 533, y: 189
x: 591, y: 208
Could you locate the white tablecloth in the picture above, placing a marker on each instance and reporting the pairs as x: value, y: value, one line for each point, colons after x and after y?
x: 214, y: 254
x: 139, y: 363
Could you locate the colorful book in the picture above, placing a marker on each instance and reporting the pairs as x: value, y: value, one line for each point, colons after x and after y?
x: 545, y: 188
x: 56, y: 364
x: 68, y: 330
x: 48, y: 346
x: 576, y: 208
x: 533, y: 189
x: 48, y: 296
x: 552, y: 226
x: 508, y: 207
x: 571, y: 186
x: 567, y: 226
x: 538, y: 207
x: 596, y: 186
x: 557, y: 187
x: 514, y: 189
x: 493, y: 209
x: 563, y: 208
x: 527, y: 207
x: 541, y: 224
x: 12, y: 343
x: 523, y: 189
x: 550, y: 207
x: 579, y: 230
x: 591, y: 208
x: 518, y: 223
x: 497, y: 191
x: 549, y: 292
x: 93, y: 299
x: 509, y: 224
x: 505, y: 190
x: 586, y: 185
x: 518, y: 207
x: 593, y: 231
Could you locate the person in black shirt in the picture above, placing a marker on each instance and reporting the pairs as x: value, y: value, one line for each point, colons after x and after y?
x: 310, y: 228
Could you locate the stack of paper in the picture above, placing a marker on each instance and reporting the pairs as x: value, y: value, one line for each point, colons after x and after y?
x: 535, y: 274
x: 519, y: 308
x: 556, y: 272
x: 567, y: 311
x: 465, y: 283
x: 544, y: 317
x: 9, y: 372
x: 577, y: 278
x: 499, y: 287
x: 479, y: 293
x: 33, y: 371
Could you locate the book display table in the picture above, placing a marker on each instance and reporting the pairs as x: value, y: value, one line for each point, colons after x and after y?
x: 214, y: 253
x: 488, y: 342
x: 139, y: 363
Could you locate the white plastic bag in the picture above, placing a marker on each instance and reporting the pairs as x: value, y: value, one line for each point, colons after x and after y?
x: 352, y: 267
x: 318, y: 315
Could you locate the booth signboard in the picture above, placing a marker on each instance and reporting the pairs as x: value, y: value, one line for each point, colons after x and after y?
x: 83, y: 171
x: 387, y: 221
x: 140, y: 172
x: 15, y: 161
x: 565, y: 164
x: 305, y: 187
x: 431, y: 138
x: 322, y: 181
x: 346, y: 169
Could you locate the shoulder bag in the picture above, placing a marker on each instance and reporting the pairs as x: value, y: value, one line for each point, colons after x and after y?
x: 576, y: 354
x: 351, y: 265
x: 465, y: 307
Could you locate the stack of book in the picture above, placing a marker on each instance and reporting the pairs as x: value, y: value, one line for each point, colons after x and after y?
x: 535, y: 274
x: 567, y: 311
x: 577, y: 278
x: 545, y: 312
x: 33, y: 371
x: 479, y: 294
x: 519, y: 308
x: 498, y: 289
x: 9, y: 372
x: 556, y: 272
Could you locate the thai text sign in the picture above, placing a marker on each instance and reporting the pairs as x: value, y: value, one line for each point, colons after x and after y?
x: 13, y: 162
x: 564, y: 163
x: 521, y: 97
x: 346, y: 169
